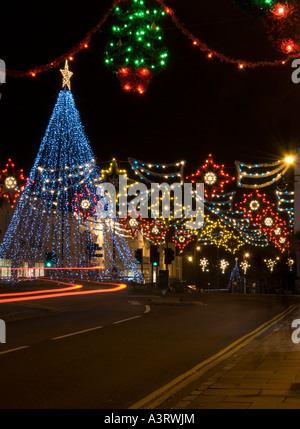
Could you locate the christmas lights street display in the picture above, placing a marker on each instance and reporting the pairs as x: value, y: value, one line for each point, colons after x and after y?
x: 85, y: 204
x: 216, y: 232
x: 204, y: 263
x: 282, y: 26
x: 254, y: 205
x: 256, y: 7
x: 154, y: 230
x: 290, y: 262
x: 223, y: 265
x: 281, y: 21
x: 257, y: 176
x: 153, y: 172
x: 271, y: 264
x: 182, y: 238
x: 12, y: 183
x: 285, y: 204
x: 132, y: 225
x: 213, y: 176
x: 232, y: 242
x: 136, y: 52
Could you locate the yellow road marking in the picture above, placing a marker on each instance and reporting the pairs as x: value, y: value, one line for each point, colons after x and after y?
x: 162, y: 394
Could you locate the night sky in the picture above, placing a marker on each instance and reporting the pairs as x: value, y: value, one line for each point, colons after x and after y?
x: 195, y: 107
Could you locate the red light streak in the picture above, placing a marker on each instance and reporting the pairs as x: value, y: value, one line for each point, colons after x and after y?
x: 41, y: 291
x: 54, y: 294
x: 101, y: 267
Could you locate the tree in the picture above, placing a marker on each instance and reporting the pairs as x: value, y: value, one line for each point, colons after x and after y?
x: 235, y: 277
x: 63, y: 177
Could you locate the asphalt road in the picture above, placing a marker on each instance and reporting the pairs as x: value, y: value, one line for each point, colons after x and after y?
x: 110, y: 351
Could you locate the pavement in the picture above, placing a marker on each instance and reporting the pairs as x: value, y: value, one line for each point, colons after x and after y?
x: 265, y: 374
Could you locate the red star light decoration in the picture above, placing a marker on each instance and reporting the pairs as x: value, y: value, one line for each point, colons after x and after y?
x: 182, y: 238
x: 254, y: 206
x: 132, y: 224
x: 12, y: 183
x: 154, y: 230
x: 213, y: 177
x: 85, y: 204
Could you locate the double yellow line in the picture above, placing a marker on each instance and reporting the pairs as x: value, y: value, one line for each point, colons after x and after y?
x: 162, y: 394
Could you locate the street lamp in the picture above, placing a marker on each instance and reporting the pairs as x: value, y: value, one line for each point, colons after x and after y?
x: 289, y: 159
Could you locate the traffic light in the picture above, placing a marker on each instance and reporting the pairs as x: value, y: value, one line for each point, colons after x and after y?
x: 50, y: 259
x: 169, y: 256
x: 154, y: 256
x: 139, y: 256
x: 92, y: 249
x: 97, y: 247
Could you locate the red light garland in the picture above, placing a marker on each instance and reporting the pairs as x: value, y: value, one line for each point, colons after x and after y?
x: 84, y: 44
x: 213, y: 177
x: 182, y: 238
x: 282, y: 24
x: 154, y: 230
x: 132, y: 225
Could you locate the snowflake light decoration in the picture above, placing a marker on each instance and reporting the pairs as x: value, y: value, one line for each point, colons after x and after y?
x: 12, y: 183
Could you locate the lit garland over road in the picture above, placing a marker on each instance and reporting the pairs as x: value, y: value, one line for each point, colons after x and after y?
x: 281, y: 17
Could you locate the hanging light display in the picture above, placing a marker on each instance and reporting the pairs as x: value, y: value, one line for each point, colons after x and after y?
x: 290, y: 262
x: 182, y: 238
x: 204, y: 264
x: 245, y: 266
x: 282, y: 25
x: 154, y: 230
x: 223, y: 265
x: 136, y: 52
x: 254, y: 205
x: 271, y: 264
x: 213, y: 176
x: 85, y: 204
x: 257, y: 176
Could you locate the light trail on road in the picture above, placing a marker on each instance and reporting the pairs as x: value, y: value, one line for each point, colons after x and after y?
x: 35, y: 295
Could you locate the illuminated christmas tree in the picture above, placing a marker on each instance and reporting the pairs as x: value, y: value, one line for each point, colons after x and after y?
x: 235, y: 277
x: 136, y: 52
x: 54, y: 215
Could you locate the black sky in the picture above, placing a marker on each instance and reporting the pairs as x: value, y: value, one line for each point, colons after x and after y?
x: 195, y: 107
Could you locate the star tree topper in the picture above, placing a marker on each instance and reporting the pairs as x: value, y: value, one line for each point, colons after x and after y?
x: 67, y: 74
